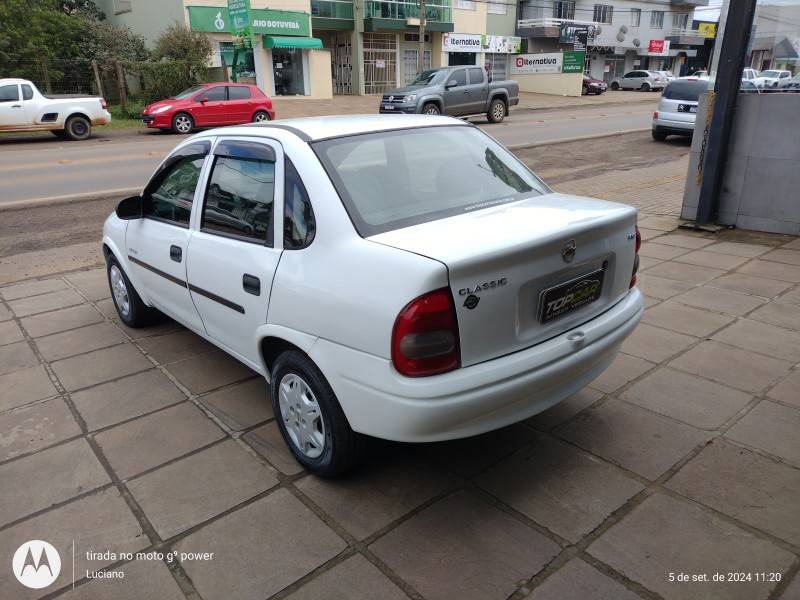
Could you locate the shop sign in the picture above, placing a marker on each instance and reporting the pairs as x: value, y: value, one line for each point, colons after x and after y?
x: 658, y: 48
x: 461, y: 42
x: 555, y: 62
x: 573, y: 62
x: 707, y: 30
x: 501, y: 44
x: 210, y: 19
x: 238, y: 13
x: 579, y: 36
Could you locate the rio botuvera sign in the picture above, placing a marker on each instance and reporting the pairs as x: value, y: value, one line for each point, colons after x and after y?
x: 210, y: 19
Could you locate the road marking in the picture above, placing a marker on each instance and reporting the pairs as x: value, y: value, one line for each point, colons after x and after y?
x: 79, y: 162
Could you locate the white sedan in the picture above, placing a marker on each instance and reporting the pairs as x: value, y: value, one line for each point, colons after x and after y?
x: 404, y: 277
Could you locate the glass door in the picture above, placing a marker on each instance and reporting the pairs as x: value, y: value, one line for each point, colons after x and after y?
x: 287, y: 71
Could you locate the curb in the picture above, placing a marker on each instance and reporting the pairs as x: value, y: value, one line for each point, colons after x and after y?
x: 67, y: 198
x: 578, y: 138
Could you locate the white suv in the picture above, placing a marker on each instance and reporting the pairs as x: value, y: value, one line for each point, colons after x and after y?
x: 400, y: 277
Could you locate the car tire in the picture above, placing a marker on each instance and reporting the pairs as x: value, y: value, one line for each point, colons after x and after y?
x: 645, y: 87
x: 59, y: 133
x: 78, y: 128
x: 584, y: 91
x: 325, y: 446
x: 614, y: 86
x: 497, y: 111
x: 659, y: 136
x: 131, y: 309
x: 182, y: 123
x: 431, y: 108
x: 261, y: 116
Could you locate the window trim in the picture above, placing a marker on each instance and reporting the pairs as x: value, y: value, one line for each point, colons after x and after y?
x: 653, y: 24
x: 287, y: 165
x: 606, y: 11
x: 637, y: 21
x: 560, y: 13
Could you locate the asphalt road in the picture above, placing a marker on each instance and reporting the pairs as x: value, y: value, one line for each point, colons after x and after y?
x: 44, y: 167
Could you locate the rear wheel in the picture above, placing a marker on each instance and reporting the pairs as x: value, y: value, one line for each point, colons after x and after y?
x: 132, y: 311
x: 78, y: 128
x: 614, y: 86
x: 310, y: 418
x: 431, y: 109
x: 659, y: 136
x: 497, y: 111
x: 645, y: 87
x: 182, y: 123
x: 260, y: 117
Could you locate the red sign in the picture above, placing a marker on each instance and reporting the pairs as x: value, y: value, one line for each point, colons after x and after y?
x: 655, y: 47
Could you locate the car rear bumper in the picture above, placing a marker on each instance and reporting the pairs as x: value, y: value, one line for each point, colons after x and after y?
x: 479, y: 398
x: 674, y: 127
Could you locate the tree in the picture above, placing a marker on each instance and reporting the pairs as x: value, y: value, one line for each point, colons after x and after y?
x: 180, y: 44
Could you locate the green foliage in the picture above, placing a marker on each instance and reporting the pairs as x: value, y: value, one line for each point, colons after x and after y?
x: 133, y: 110
x: 180, y: 44
x: 106, y: 43
x: 163, y: 79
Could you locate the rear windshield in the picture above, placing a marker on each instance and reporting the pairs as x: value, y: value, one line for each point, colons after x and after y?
x: 685, y: 90
x: 393, y: 179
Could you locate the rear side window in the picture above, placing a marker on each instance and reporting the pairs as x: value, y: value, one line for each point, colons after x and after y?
x: 299, y: 225
x: 688, y: 91
x: 27, y: 92
x: 169, y: 195
x: 238, y: 93
x: 475, y: 76
x: 460, y: 77
x: 9, y: 93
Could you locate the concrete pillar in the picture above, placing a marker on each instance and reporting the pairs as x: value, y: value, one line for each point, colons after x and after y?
x: 357, y: 59
x: 263, y: 74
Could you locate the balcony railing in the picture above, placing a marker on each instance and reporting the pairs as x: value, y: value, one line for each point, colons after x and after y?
x: 550, y: 22
x: 438, y: 11
x: 332, y: 9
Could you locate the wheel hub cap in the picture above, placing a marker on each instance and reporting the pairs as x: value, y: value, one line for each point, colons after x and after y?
x: 120, y: 291
x: 183, y: 124
x: 301, y: 415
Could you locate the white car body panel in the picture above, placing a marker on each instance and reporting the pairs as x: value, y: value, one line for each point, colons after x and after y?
x: 337, y: 299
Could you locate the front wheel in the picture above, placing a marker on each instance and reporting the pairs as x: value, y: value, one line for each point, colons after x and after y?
x: 645, y: 87
x: 260, y: 117
x: 310, y: 418
x: 431, y: 109
x: 78, y: 128
x: 182, y: 123
x: 497, y: 111
x: 614, y: 86
x: 132, y: 311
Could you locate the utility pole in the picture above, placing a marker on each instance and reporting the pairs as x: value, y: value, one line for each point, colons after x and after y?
x: 421, y: 56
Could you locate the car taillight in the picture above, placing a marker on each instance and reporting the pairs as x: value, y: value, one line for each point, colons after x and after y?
x: 655, y: 115
x: 636, y: 258
x: 103, y: 103
x: 425, y: 336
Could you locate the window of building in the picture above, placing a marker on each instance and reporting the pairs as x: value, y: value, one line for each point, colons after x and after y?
x: 497, y: 8
x: 238, y: 93
x: 564, y: 9
x: 636, y: 17
x: 9, y: 93
x: 464, y: 4
x: 680, y: 21
x: 657, y: 19
x: 603, y: 13
x: 299, y: 225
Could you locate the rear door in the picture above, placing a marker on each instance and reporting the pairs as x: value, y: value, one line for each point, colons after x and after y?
x: 456, y: 93
x: 240, y: 104
x: 233, y: 255
x: 478, y: 88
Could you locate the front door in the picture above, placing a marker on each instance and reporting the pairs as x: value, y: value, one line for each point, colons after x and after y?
x: 456, y: 93
x: 157, y: 244
x: 12, y: 113
x: 287, y: 69
x: 209, y: 107
x: 236, y: 247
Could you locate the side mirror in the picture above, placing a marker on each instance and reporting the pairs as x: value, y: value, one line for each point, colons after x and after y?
x: 451, y: 84
x: 130, y: 208
x: 202, y: 99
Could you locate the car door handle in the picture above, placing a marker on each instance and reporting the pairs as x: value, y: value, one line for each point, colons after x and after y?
x: 16, y: 106
x: 251, y: 284
x: 175, y: 253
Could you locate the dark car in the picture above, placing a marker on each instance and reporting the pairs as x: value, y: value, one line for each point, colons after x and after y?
x: 593, y: 86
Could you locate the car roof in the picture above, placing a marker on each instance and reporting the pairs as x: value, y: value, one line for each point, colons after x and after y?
x: 10, y: 80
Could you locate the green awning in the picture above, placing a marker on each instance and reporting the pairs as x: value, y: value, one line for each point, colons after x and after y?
x: 278, y: 41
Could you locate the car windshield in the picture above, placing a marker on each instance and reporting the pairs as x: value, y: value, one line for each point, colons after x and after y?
x: 771, y: 74
x: 187, y: 93
x: 393, y: 179
x: 428, y: 77
x: 686, y: 90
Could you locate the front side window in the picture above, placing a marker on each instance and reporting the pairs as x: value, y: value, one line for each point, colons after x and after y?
x: 172, y: 193
x: 188, y: 93
x: 238, y: 93
x: 393, y: 179
x: 9, y: 93
x: 657, y: 19
x: 214, y: 94
x: 603, y: 13
x: 299, y: 225
x: 460, y: 78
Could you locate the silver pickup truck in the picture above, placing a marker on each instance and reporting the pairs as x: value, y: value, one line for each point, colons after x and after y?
x: 455, y: 91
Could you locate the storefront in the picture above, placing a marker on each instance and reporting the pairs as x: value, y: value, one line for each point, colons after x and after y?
x: 490, y: 51
x: 462, y: 48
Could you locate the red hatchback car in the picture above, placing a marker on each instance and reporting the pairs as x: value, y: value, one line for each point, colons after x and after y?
x: 210, y: 105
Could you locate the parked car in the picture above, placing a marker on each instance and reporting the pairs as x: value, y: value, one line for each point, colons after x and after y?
x: 456, y: 91
x: 697, y: 75
x: 749, y: 74
x: 791, y: 84
x: 677, y: 109
x: 415, y: 282
x: 209, y: 105
x: 748, y: 87
x: 24, y: 108
x: 667, y: 75
x: 771, y: 78
x: 593, y: 86
x: 639, y: 80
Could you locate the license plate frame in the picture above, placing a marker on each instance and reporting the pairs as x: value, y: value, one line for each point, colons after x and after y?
x: 388, y: 107
x: 558, y: 292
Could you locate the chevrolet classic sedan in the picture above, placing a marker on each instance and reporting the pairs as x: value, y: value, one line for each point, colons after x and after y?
x: 406, y: 277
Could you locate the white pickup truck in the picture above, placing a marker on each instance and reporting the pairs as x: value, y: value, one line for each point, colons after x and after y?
x: 25, y: 108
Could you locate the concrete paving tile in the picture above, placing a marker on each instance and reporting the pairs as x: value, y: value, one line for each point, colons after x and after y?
x: 647, y: 263
x: 762, y: 337
x: 732, y: 366
x: 660, y: 222
x: 156, y: 438
x: 631, y: 437
x: 738, y: 249
x: 661, y: 288
x: 777, y: 313
x: 750, y: 284
x: 79, y: 341
x: 61, y: 320
x: 34, y: 427
x: 790, y: 297
x: 684, y: 319
x: 50, y: 476
x: 462, y: 547
x: 284, y: 541
x: 376, y: 495
x: 93, y: 283
x: 770, y: 427
x: 165, y: 325
x: 661, y: 251
x: 242, y: 405
x: 685, y: 241
x: 792, y: 592
x: 23, y: 386
x: 793, y: 245
x: 744, y: 485
x: 720, y: 300
x: 788, y: 390
x: 578, y: 580
x: 209, y: 371
x: 176, y: 345
x: 690, y: 274
x: 666, y: 535
x: 686, y: 398
x: 32, y: 288
x: 5, y: 314
x: 354, y: 579
x: 194, y: 489
x: 625, y: 368
x: 713, y: 260
x: 648, y: 234
x: 773, y: 270
x: 142, y: 579
x: 565, y: 489
x: 16, y: 356
x: 10, y: 333
x: 98, y: 522
x: 99, y: 366
x: 116, y: 401
x: 654, y: 343
x: 790, y: 257
x: 564, y: 410
x: 268, y: 442
x: 44, y: 302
